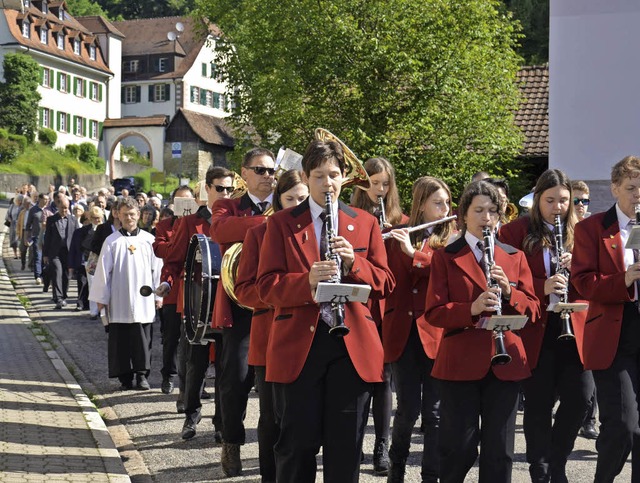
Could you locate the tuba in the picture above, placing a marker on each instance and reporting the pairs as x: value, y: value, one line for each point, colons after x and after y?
x: 510, y: 213
x: 355, y: 174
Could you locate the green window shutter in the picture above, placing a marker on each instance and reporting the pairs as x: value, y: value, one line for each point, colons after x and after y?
x: 75, y: 86
x: 138, y: 93
x: 84, y: 89
x: 100, y: 92
x: 41, y: 75
x: 58, y: 121
x: 41, y: 120
x: 59, y: 74
x: 68, y: 81
x: 68, y: 122
x: 151, y: 99
x: 123, y: 94
x: 99, y: 130
x: 51, y: 114
x: 75, y: 118
x: 204, y: 69
x: 167, y: 92
x: 213, y: 69
x: 84, y: 127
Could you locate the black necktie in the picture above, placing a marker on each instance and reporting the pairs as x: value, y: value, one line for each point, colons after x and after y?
x: 482, y: 263
x: 262, y: 206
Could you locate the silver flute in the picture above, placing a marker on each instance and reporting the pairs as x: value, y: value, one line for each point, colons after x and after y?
x: 388, y: 235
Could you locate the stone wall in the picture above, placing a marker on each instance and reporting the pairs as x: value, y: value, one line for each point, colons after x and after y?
x: 124, y: 170
x: 9, y: 182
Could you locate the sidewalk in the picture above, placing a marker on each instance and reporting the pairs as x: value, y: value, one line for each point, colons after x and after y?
x: 49, y: 429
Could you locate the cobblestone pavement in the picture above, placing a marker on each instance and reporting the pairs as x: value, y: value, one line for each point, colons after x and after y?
x: 146, y: 428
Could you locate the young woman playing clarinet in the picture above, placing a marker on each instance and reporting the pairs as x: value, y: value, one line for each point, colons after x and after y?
x: 410, y: 353
x: 382, y: 201
x: 290, y: 191
x: 546, y: 237
x: 478, y: 400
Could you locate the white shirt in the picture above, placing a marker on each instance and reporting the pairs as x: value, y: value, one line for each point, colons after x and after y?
x: 623, y: 221
x: 473, y: 244
x: 256, y: 200
x: 316, y: 210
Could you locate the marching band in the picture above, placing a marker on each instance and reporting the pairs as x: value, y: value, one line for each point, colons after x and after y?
x: 461, y: 316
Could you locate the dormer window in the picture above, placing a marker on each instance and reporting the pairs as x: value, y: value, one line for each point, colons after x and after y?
x: 45, y: 8
x: 44, y: 35
x: 76, y: 46
x: 26, y: 28
x: 92, y: 52
x: 27, y: 3
x: 60, y: 41
x: 61, y: 13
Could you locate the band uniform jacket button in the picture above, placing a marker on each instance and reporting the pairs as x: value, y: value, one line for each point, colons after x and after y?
x: 312, y: 328
x: 415, y: 290
x: 614, y: 246
x: 419, y: 265
x: 350, y: 227
x: 410, y: 313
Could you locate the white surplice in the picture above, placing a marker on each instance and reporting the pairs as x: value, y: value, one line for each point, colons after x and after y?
x: 126, y: 264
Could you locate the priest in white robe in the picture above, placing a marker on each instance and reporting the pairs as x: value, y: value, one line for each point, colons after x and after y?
x: 125, y: 279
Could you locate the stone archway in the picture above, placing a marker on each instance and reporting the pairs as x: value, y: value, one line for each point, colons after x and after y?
x: 150, y: 129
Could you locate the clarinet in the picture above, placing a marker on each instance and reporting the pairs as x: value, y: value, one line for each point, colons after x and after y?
x: 500, y: 356
x: 566, y: 331
x: 337, y: 309
x: 382, y: 218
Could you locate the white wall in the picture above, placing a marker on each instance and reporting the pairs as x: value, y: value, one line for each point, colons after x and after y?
x: 147, y: 108
x: 594, y: 100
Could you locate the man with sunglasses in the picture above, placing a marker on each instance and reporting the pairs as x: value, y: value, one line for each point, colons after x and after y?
x: 230, y: 221
x: 580, y: 199
x: 218, y: 186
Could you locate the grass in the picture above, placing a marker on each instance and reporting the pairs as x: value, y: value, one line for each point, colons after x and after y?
x: 40, y: 160
x: 24, y: 300
x: 143, y: 178
x: 38, y: 329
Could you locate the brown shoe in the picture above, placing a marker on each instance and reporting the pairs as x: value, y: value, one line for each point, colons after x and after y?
x: 230, y: 459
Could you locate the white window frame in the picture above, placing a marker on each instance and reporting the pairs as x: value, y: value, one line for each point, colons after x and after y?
x: 45, y: 7
x: 46, y: 77
x: 77, y: 129
x: 93, y: 91
x: 62, y: 121
x: 60, y: 41
x: 158, y: 93
x: 46, y: 119
x: 63, y: 83
x: 27, y: 3
x: 130, y: 95
x: 26, y: 29
x: 44, y: 35
x: 131, y: 66
x: 162, y: 64
x: 93, y: 130
x: 61, y: 14
x: 79, y: 87
x: 76, y: 46
x: 92, y: 52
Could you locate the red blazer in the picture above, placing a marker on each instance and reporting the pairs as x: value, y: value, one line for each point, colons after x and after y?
x: 456, y: 282
x: 247, y: 294
x: 184, y: 229
x: 406, y: 303
x: 289, y: 249
x: 230, y: 221
x: 164, y: 230
x: 532, y: 335
x: 597, y: 271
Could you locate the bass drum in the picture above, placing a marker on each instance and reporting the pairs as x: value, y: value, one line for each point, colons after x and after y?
x: 201, y: 275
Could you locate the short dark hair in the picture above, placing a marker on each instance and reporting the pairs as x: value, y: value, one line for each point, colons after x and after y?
x: 217, y: 172
x: 184, y: 187
x: 499, y: 183
x: 128, y: 202
x: 254, y: 153
x: 319, y: 152
x: 287, y: 180
x: 473, y: 189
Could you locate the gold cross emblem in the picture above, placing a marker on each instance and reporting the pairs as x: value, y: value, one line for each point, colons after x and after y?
x: 132, y: 249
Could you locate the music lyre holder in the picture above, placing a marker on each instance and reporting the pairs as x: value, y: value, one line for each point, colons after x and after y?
x: 633, y: 241
x: 339, y: 293
x: 561, y: 307
x: 504, y: 322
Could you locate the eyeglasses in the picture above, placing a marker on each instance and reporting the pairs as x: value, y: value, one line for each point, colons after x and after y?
x: 220, y: 189
x: 261, y: 170
x: 581, y: 201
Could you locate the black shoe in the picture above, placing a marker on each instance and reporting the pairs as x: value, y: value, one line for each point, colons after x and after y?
x: 230, y: 459
x: 126, y: 386
x: 167, y: 385
x: 205, y: 395
x: 58, y: 306
x: 189, y: 428
x: 588, y: 431
x: 180, y: 406
x: 141, y: 382
x: 380, y: 457
x: 396, y: 472
x: 217, y: 436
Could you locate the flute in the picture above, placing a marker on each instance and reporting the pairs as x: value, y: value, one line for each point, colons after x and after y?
x: 387, y: 235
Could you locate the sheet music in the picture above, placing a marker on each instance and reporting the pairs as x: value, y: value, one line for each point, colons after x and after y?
x: 634, y: 238
x: 184, y: 206
x: 342, y: 292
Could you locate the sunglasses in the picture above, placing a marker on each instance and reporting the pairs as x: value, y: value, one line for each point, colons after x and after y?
x: 228, y: 189
x: 261, y: 170
x: 582, y: 201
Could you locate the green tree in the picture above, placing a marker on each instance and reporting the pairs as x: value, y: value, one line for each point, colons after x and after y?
x: 79, y: 8
x: 19, y: 95
x: 428, y: 84
x: 533, y: 15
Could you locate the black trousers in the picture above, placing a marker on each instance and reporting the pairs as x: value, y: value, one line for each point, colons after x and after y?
x: 59, y: 271
x: 381, y: 403
x: 129, y: 350
x: 617, y: 392
x: 324, y: 407
x: 268, y: 429
x: 462, y: 405
x: 83, y: 288
x: 197, y: 362
x: 416, y: 392
x: 236, y: 377
x: 171, y: 322
x: 559, y: 373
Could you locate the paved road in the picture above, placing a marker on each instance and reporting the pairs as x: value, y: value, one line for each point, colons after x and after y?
x: 146, y: 428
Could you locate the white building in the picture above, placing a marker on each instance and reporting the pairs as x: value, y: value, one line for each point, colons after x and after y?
x: 75, y: 75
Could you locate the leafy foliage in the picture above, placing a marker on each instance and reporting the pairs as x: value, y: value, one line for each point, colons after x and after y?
x: 9, y: 151
x: 47, y: 136
x: 126, y: 9
x: 72, y: 151
x: 533, y: 15
x: 79, y: 8
x: 428, y: 85
x: 19, y: 95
